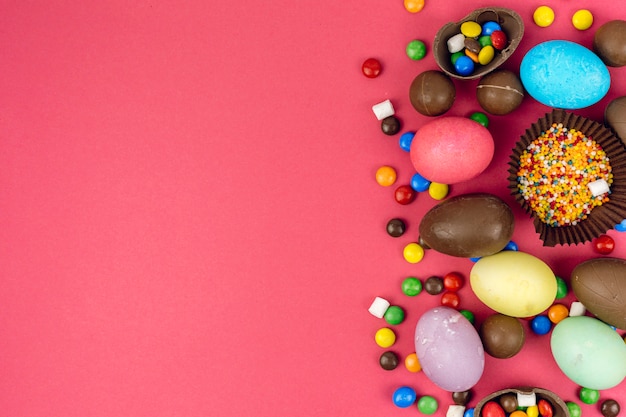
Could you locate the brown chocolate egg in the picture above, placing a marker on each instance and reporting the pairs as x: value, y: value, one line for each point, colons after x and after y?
x: 609, y: 42
x: 500, y: 92
x: 432, y: 93
x: 557, y: 405
x: 503, y: 336
x: 615, y: 117
x: 468, y: 225
x: 600, y: 284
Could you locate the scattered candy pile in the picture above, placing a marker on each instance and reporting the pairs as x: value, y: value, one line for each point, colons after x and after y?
x: 475, y: 44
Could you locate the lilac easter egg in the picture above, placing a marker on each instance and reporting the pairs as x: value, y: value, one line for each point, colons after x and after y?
x: 449, y: 349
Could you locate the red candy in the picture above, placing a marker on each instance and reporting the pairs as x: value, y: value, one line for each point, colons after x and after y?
x: 405, y: 194
x: 492, y: 409
x: 604, y: 244
x: 450, y: 299
x: 452, y: 281
x: 498, y: 40
x: 371, y: 68
x: 545, y: 408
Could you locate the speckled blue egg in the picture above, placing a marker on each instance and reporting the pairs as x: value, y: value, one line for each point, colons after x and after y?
x: 564, y: 75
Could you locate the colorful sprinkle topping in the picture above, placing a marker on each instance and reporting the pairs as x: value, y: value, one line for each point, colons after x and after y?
x: 554, y: 171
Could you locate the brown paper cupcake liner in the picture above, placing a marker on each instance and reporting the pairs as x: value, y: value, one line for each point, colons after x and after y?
x: 601, y: 218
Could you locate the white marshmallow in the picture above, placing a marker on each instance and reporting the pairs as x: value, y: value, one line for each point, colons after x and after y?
x: 383, y: 109
x: 526, y: 399
x: 577, y: 309
x: 455, y: 411
x: 379, y: 307
x: 598, y: 187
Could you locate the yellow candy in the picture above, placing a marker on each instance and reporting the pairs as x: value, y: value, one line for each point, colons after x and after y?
x: 385, y: 337
x: 471, y: 29
x: 543, y: 16
x: 438, y: 191
x: 532, y: 411
x: 413, y: 253
x: 582, y: 19
x: 413, y: 6
x: 486, y: 55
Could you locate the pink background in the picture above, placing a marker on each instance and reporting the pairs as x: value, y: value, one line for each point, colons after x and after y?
x: 189, y: 222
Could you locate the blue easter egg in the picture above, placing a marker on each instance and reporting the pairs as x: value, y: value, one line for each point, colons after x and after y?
x: 564, y: 75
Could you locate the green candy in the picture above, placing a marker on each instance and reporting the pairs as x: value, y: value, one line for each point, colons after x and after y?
x: 468, y: 315
x: 394, y: 315
x: 480, y: 118
x: 456, y: 56
x: 427, y: 405
x: 416, y: 50
x: 485, y: 41
x: 411, y: 286
x: 574, y: 409
x: 589, y: 396
x: 561, y: 288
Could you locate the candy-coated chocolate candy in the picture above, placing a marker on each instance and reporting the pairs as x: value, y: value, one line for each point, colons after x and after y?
x: 453, y: 281
x: 456, y: 43
x: 561, y: 288
x: 472, y: 45
x: 468, y: 225
x: 589, y: 396
x: 582, y: 19
x: 416, y: 50
x: 438, y: 191
x: 396, y: 227
x: 432, y: 93
x: 388, y: 361
x: 486, y: 55
x: 414, y: 6
x: 543, y: 16
x: 589, y: 352
x: 557, y: 312
x: 480, y: 118
x: 518, y: 413
x: 412, y: 363
x: 404, y: 194
x: 489, y: 27
x: 433, y: 285
x: 394, y: 315
x: 485, y: 41
x: 468, y: 315
x: 508, y: 402
x: 471, y: 29
x: 532, y: 411
x: 511, y: 246
x: 604, y: 244
x: 427, y: 405
x: 461, y: 397
x: 502, y: 336
x: 610, y: 408
x: 469, y: 412
x: 471, y: 55
x: 404, y: 397
x: 540, y: 325
x: 405, y: 141
x: 450, y: 299
x: 411, y: 286
x: 371, y: 68
x: 492, y: 409
x: 609, y: 42
x: 385, y: 337
x: 574, y: 409
x: 443, y: 340
x: 545, y: 408
x: 449, y: 150
x: 464, y: 65
x: 413, y: 253
x: 386, y: 176
x: 499, y: 40
x: 419, y: 183
x: 456, y: 56
x: 390, y: 125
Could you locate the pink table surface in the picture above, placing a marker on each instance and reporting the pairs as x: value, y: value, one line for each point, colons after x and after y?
x: 189, y: 222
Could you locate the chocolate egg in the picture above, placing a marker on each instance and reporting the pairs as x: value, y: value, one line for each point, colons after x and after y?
x: 615, y: 117
x: 600, y: 284
x: 609, y: 42
x: 500, y: 92
x: 469, y: 225
x: 503, y: 336
x: 432, y: 93
x: 558, y: 407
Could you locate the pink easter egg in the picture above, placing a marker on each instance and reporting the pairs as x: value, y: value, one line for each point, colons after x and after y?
x: 449, y: 150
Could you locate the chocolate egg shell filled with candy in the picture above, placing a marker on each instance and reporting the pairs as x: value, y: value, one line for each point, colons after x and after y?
x: 600, y: 284
x: 555, y: 403
x: 609, y: 42
x: 432, y: 93
x: 500, y: 92
x: 469, y: 225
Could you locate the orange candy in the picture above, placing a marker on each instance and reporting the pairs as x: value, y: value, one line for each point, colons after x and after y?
x: 557, y: 312
x: 414, y: 6
x: 412, y: 363
x: 386, y: 176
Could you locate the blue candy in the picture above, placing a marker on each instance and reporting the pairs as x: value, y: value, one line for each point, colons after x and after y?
x: 540, y: 325
x: 464, y: 65
x: 469, y: 412
x: 621, y: 226
x: 489, y: 27
x: 404, y: 397
x: 419, y: 183
x: 405, y: 141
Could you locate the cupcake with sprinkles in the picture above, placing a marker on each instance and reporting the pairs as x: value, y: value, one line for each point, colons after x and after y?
x: 569, y: 175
